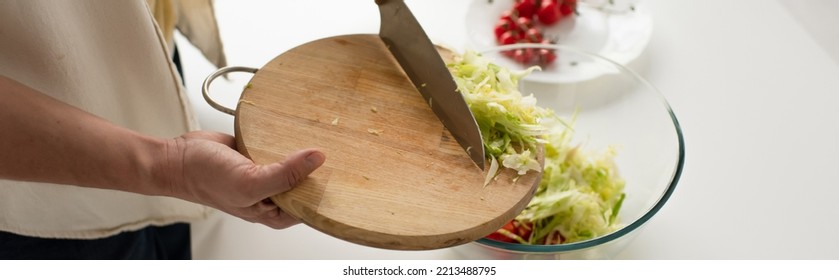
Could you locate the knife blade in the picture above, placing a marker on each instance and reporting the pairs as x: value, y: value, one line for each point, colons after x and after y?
x: 412, y: 48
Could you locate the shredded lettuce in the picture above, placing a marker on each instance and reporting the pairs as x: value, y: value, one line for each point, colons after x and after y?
x: 509, y: 122
x: 580, y: 193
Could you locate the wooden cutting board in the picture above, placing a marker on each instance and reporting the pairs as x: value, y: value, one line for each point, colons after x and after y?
x: 394, y: 177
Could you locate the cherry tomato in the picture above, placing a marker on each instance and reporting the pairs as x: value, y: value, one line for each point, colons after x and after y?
x: 511, y: 231
x: 503, y: 237
x: 509, y: 37
x: 497, y: 236
x: 571, y: 4
x: 509, y: 15
x: 503, y: 26
x: 546, y: 56
x: 523, y: 56
x: 565, y: 10
x: 548, y: 12
x: 524, y: 23
x: 523, y: 229
x: 534, y: 35
x: 525, y: 8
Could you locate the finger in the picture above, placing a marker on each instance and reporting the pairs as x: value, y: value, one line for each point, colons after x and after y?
x: 266, y: 205
x: 274, y: 217
x: 278, y: 219
x: 281, y: 177
x: 257, y: 210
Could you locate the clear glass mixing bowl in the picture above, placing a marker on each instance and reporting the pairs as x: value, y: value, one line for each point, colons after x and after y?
x: 614, y: 106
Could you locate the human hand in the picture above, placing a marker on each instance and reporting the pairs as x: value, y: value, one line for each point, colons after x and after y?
x: 204, y: 167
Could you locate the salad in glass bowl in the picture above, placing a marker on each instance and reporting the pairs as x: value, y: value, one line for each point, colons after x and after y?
x: 613, y: 150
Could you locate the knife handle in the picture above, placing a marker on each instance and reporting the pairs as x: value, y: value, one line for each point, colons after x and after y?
x: 205, y: 89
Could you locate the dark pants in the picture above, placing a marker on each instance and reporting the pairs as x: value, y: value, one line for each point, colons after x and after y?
x: 167, y: 242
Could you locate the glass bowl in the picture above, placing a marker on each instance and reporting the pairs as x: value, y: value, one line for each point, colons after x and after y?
x: 614, y: 106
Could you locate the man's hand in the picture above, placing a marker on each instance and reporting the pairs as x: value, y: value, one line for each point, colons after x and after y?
x: 47, y: 140
x: 205, y: 168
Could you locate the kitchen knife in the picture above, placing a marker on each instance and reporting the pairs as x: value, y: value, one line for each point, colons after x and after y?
x: 420, y: 59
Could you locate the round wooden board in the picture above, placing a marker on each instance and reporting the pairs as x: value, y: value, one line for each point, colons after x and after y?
x: 394, y: 177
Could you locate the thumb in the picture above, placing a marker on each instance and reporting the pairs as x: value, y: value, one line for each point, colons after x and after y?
x: 281, y: 177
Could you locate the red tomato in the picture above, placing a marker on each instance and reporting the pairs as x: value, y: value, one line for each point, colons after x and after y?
x: 523, y: 229
x: 509, y: 37
x: 571, y: 4
x: 548, y: 12
x: 509, y: 15
x: 503, y: 26
x: 517, y: 25
x: 546, y: 56
x: 499, y: 237
x: 565, y: 10
x: 513, y: 229
x: 524, y: 23
x: 534, y: 35
x: 523, y: 56
x: 503, y: 237
x: 525, y: 8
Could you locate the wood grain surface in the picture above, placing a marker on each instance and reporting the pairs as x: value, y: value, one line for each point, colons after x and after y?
x: 394, y: 177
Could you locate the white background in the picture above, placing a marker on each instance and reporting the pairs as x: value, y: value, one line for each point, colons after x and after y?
x: 754, y: 83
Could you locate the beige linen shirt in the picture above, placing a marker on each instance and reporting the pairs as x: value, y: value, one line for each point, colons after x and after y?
x: 110, y: 59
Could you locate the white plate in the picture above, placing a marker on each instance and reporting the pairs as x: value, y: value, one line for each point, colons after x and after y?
x: 618, y: 30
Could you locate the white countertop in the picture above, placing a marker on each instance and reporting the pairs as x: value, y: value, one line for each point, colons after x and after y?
x: 751, y: 81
